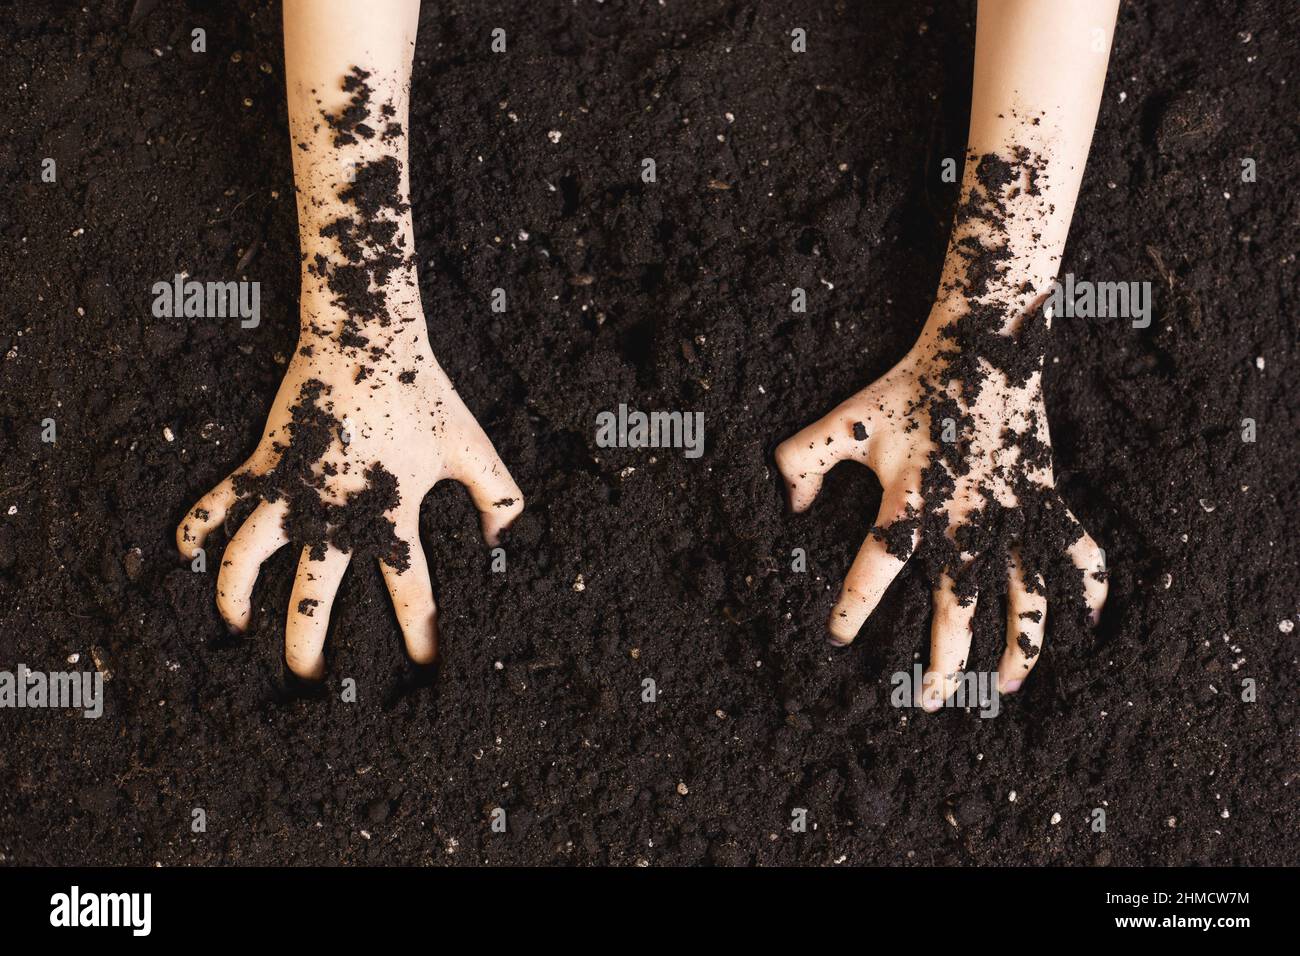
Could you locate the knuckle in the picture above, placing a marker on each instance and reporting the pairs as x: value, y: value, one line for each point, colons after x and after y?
x: 300, y: 662
x: 786, y: 455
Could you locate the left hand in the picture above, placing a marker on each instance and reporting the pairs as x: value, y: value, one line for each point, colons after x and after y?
x: 888, y: 427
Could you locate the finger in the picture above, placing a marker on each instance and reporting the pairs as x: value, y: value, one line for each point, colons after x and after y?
x: 950, y: 634
x: 496, y: 496
x: 1091, y: 560
x: 211, y: 510
x: 1026, y: 627
x: 257, y: 539
x: 412, y: 594
x: 875, y: 567
x: 804, y: 458
x: 208, y: 512
x: 314, y: 588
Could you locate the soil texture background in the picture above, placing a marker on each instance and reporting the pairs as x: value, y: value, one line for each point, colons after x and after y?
x: 775, y: 170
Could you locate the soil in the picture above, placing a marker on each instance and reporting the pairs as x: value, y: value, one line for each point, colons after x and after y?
x: 774, y: 170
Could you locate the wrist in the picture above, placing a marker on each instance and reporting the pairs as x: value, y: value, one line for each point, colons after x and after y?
x: 1008, y: 300
x: 396, y: 325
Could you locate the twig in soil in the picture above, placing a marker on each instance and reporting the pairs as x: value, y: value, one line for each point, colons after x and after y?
x: 234, y: 210
x: 141, y: 10
x: 21, y: 486
x: 248, y: 256
x: 1158, y: 259
x: 1193, y: 301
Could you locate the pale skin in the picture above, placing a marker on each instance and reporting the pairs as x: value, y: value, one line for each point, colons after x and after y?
x: 1034, y: 60
x: 420, y: 431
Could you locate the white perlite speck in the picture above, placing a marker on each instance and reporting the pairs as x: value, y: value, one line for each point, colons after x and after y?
x: 1056, y: 818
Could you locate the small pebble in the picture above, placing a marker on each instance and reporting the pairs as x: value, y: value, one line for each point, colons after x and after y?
x: 579, y: 584
x: 133, y: 563
x: 100, y: 657
x: 554, y: 136
x: 1056, y: 818
x: 167, y: 434
x: 1286, y: 626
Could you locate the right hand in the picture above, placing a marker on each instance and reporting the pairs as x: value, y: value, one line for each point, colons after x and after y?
x: 417, y: 431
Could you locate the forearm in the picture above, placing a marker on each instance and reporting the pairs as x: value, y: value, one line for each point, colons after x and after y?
x: 350, y: 150
x: 1039, y: 70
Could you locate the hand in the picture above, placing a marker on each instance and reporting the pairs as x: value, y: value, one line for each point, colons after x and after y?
x: 971, y: 477
x: 352, y: 445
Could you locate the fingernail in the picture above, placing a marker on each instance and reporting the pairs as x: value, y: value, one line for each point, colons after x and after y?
x: 1010, y: 687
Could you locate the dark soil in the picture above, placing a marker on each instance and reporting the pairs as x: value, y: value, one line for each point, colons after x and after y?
x: 669, y: 295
